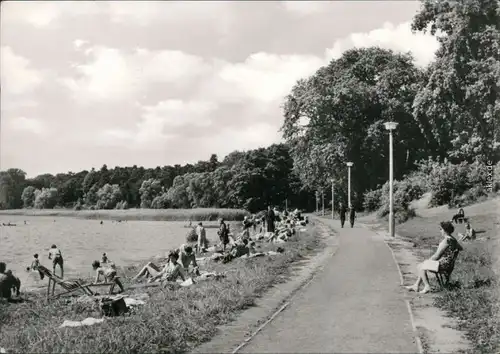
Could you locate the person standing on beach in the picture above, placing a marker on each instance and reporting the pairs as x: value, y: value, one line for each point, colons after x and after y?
x: 57, y: 259
x: 352, y: 216
x: 202, y: 238
x: 342, y: 212
x: 270, y: 218
x: 223, y: 234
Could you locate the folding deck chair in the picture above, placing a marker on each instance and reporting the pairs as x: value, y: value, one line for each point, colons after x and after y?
x: 70, y: 286
x: 443, y: 277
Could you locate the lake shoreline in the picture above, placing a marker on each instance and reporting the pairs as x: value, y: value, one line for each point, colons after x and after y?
x: 187, y: 316
x: 196, y: 214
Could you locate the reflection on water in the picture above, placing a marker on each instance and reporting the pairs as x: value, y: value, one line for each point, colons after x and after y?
x: 82, y: 241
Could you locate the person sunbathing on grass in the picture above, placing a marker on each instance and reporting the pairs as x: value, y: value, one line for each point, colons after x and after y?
x: 8, y: 282
x: 470, y: 233
x: 441, y: 260
x: 187, y: 257
x: 170, y: 272
x: 109, y: 273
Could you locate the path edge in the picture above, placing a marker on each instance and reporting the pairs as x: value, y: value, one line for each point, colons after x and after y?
x: 416, y: 333
x: 301, y: 279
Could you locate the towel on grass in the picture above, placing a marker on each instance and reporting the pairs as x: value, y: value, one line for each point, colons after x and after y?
x: 133, y: 302
x: 86, y: 322
x: 3, y: 351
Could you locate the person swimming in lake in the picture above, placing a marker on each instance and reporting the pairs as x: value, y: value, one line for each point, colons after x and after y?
x: 57, y: 259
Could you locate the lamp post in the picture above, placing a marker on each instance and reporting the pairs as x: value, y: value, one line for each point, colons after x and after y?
x: 390, y: 126
x: 349, y: 165
x: 317, y: 202
x: 333, y: 198
x: 323, y: 202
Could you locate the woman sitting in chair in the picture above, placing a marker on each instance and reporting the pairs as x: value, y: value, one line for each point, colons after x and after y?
x: 441, y: 261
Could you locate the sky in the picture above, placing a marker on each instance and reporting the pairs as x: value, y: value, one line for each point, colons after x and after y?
x: 161, y: 83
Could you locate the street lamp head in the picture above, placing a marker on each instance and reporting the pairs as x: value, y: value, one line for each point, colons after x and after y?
x: 349, y: 164
x: 390, y: 125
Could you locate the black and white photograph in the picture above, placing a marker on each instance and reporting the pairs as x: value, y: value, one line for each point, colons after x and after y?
x: 241, y: 176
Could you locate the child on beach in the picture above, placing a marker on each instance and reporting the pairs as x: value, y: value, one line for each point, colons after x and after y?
x: 223, y: 234
x: 109, y: 273
x: 35, y: 263
x: 105, y: 258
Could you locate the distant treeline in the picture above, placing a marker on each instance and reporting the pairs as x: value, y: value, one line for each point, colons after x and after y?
x: 250, y: 180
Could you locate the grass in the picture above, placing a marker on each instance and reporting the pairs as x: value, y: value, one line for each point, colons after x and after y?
x: 473, y: 297
x: 171, y: 321
x: 198, y: 214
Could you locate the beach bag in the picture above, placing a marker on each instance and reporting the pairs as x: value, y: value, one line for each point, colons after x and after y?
x: 113, y: 307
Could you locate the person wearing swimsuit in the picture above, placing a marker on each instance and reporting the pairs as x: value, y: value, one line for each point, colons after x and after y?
x: 57, y: 259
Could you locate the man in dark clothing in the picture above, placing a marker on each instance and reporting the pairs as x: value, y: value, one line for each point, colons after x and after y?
x: 352, y: 216
x: 270, y: 217
x: 342, y: 212
x: 223, y: 233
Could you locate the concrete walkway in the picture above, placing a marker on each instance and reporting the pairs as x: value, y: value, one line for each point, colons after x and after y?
x: 355, y: 305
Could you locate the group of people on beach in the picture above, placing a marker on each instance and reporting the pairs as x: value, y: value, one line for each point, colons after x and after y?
x: 179, y: 260
x: 10, y: 284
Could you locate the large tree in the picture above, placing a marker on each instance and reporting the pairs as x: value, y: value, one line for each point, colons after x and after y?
x: 337, y: 115
x: 459, y: 107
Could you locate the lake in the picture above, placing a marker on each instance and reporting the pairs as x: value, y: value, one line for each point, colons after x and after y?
x: 82, y: 241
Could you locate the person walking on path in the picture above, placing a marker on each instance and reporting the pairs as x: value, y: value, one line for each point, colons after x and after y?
x: 352, y: 216
x: 270, y: 217
x: 342, y: 212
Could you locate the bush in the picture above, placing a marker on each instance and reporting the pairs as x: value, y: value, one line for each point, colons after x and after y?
x: 449, y: 182
x: 404, y: 193
x: 192, y: 236
x: 372, y: 200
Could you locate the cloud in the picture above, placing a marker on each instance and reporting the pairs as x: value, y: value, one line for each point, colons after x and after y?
x: 78, y: 43
x: 45, y: 13
x: 263, y: 77
x: 305, y: 8
x: 158, y: 123
x: 16, y: 74
x: 398, y: 38
x: 112, y: 74
x: 30, y: 125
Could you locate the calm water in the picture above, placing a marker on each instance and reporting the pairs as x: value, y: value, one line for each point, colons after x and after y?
x: 82, y: 241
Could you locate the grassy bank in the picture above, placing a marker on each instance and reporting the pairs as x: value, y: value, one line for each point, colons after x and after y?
x: 198, y: 214
x: 475, y: 287
x: 171, y: 321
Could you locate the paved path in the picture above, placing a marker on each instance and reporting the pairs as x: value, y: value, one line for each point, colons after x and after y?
x: 354, y: 305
